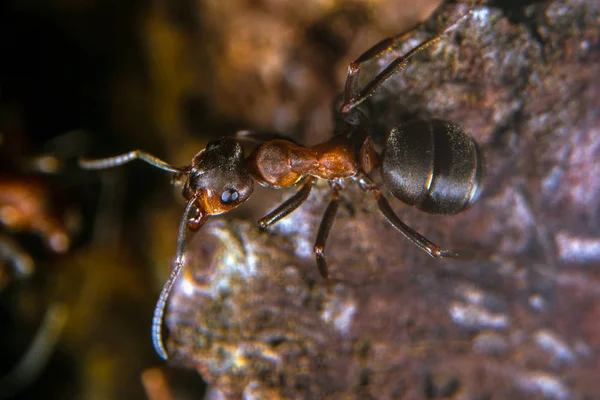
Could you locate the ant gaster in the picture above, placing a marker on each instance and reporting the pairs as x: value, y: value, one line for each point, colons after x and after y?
x: 430, y: 164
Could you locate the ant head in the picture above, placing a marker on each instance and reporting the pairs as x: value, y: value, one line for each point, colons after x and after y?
x: 219, y: 178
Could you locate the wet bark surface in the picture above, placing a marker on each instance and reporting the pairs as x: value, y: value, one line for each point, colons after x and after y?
x: 252, y: 315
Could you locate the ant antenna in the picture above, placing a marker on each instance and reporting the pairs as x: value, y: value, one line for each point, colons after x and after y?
x: 191, y: 207
x: 116, y: 161
x: 159, y: 310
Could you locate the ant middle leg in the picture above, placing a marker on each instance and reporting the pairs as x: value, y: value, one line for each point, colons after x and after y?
x: 289, y: 206
x: 415, y: 237
x: 324, y: 229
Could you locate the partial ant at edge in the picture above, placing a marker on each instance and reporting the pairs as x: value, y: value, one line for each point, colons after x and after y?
x: 430, y: 164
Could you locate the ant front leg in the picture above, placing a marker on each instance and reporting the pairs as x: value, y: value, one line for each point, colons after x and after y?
x: 415, y: 237
x: 289, y: 206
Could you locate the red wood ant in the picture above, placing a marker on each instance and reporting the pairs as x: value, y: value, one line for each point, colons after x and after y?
x: 430, y: 164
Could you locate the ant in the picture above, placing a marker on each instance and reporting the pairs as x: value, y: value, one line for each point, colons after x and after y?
x: 430, y: 164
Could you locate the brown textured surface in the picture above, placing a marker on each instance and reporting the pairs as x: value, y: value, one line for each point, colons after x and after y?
x: 252, y: 316
x: 392, y: 322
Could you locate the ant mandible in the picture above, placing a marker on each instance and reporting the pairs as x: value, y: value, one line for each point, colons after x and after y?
x: 430, y: 164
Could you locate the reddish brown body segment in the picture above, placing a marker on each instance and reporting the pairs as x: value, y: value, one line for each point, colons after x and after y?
x: 281, y: 163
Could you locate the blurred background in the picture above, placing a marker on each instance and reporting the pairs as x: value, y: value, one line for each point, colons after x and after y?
x: 83, y: 255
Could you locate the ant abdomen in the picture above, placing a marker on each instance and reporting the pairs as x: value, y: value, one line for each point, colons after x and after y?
x: 433, y: 165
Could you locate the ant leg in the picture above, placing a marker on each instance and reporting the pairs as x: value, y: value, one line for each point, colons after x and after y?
x: 387, y: 45
x: 323, y: 233
x: 188, y: 220
x: 289, y: 206
x: 422, y: 242
x: 352, y: 101
x: 415, y: 237
x: 351, y: 98
x: 110, y: 162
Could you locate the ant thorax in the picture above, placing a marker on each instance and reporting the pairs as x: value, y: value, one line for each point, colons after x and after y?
x: 281, y: 163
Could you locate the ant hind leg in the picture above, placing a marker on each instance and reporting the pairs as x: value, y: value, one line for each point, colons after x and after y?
x: 387, y: 45
x: 419, y: 240
x: 415, y: 237
x: 353, y: 96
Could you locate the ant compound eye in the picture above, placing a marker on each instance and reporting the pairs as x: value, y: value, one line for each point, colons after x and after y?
x: 229, y: 196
